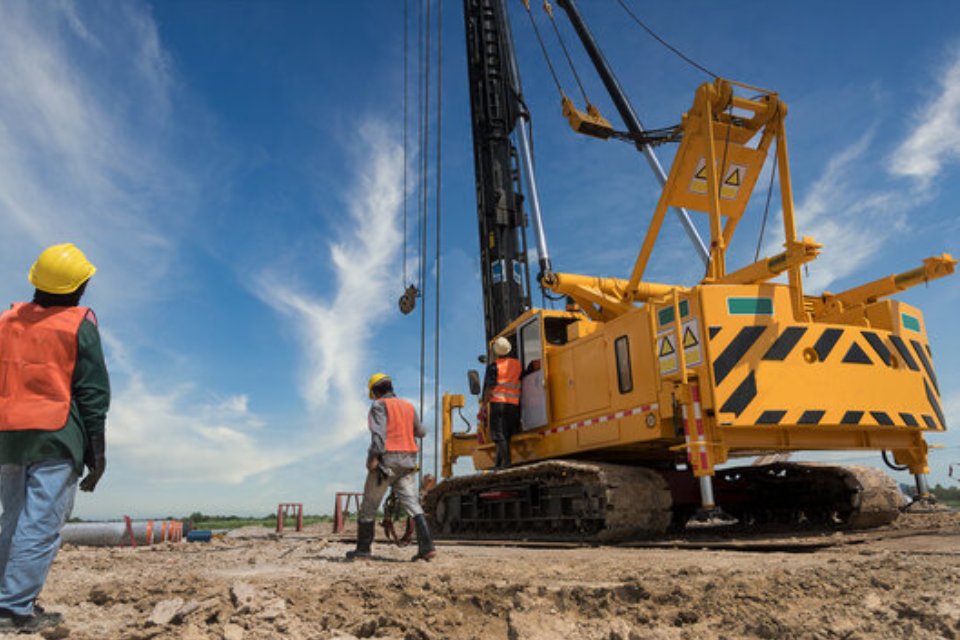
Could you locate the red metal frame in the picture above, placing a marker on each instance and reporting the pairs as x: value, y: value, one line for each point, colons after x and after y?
x: 289, y: 508
x: 341, y: 509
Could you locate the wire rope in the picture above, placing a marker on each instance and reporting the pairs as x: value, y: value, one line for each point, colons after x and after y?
x: 543, y: 48
x: 406, y: 116
x: 566, y: 53
x: 666, y: 44
x: 420, y: 74
x: 425, y: 146
x: 436, y: 317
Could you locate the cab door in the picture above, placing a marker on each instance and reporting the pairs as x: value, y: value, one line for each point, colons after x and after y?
x: 533, y: 397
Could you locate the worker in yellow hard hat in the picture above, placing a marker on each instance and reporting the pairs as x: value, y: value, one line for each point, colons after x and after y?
x: 391, y: 462
x: 52, y: 421
x: 501, y: 390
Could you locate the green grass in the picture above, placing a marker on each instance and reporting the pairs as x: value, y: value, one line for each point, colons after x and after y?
x: 234, y: 522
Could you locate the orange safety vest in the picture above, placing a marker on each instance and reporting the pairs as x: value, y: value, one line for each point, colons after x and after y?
x: 38, y: 352
x: 507, y: 389
x: 400, y: 417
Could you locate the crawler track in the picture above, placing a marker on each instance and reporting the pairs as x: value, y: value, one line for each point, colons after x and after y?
x: 566, y: 501
x: 810, y: 495
x: 553, y: 501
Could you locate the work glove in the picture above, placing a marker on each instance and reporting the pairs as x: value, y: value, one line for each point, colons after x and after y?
x: 95, y: 458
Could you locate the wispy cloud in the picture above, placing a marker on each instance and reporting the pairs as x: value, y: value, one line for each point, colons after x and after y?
x: 180, y: 431
x: 852, y: 220
x: 335, y: 329
x: 852, y: 212
x: 935, y: 137
x: 175, y: 435
x: 85, y: 102
x: 81, y: 117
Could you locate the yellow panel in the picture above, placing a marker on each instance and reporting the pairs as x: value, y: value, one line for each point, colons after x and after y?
x: 772, y: 374
x: 598, y: 433
x: 742, y: 166
x: 591, y: 380
x: 561, y: 393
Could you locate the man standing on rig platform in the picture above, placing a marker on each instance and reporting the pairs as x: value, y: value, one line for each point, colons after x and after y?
x: 391, y: 462
x: 54, y: 396
x: 501, y: 389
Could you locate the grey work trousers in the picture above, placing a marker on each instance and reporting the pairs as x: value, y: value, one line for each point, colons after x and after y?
x: 405, y: 486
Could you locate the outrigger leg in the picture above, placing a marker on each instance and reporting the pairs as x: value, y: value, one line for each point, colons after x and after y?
x: 700, y: 458
x: 709, y: 513
x: 916, y: 461
x: 925, y: 501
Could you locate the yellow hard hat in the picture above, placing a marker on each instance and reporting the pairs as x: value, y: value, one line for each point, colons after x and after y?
x: 61, y: 268
x: 374, y: 380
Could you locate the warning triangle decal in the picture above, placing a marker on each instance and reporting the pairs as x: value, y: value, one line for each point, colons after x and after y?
x: 701, y: 173
x: 666, y: 347
x: 733, y: 179
x: 689, y: 340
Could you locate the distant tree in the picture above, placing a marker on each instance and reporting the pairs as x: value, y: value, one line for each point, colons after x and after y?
x: 946, y: 493
x: 196, y: 516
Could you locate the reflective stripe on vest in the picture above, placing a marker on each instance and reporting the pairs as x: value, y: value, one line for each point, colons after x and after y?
x: 507, y: 389
x: 400, y: 416
x: 38, y: 353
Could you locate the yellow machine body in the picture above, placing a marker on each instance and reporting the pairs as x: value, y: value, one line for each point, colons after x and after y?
x: 734, y: 365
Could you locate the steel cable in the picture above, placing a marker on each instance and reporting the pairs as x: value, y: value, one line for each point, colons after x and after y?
x: 406, y: 48
x: 436, y: 329
x: 425, y: 146
x: 543, y: 48
x: 566, y: 53
x: 666, y: 44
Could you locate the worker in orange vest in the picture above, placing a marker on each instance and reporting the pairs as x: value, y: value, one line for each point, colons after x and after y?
x: 501, y: 389
x: 391, y: 462
x: 54, y: 396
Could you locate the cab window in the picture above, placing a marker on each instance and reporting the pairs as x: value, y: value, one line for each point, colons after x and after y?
x: 621, y: 348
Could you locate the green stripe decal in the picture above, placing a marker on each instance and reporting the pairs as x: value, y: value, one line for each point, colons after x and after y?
x: 910, y: 322
x: 750, y: 306
x: 665, y: 315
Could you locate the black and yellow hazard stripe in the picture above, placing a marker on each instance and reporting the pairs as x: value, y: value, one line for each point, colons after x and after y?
x: 814, y: 417
x: 824, y: 343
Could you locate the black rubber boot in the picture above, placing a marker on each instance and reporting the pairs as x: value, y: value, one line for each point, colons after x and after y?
x: 33, y: 623
x: 365, y: 531
x: 503, y: 454
x: 425, y: 548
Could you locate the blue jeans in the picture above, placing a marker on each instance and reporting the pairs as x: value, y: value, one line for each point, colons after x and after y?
x: 37, y: 500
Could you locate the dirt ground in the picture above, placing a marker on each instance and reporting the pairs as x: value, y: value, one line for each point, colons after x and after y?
x: 901, y: 582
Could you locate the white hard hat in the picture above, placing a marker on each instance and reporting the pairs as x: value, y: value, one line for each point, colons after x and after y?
x: 501, y: 346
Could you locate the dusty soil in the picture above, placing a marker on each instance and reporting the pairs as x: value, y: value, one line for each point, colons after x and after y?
x: 902, y: 582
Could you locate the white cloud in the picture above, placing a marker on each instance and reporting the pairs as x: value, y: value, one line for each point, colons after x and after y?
x: 335, y: 330
x: 850, y: 220
x: 85, y: 102
x: 173, y: 435
x: 935, y: 137
x: 853, y: 212
x: 81, y: 119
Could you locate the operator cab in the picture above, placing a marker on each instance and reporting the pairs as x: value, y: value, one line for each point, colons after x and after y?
x: 531, y: 335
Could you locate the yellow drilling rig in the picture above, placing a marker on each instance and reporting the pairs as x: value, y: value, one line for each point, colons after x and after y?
x: 634, y: 397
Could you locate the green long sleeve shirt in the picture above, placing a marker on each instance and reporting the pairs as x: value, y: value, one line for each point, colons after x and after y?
x: 88, y: 411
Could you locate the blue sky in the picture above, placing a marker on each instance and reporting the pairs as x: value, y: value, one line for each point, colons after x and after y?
x: 236, y: 172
